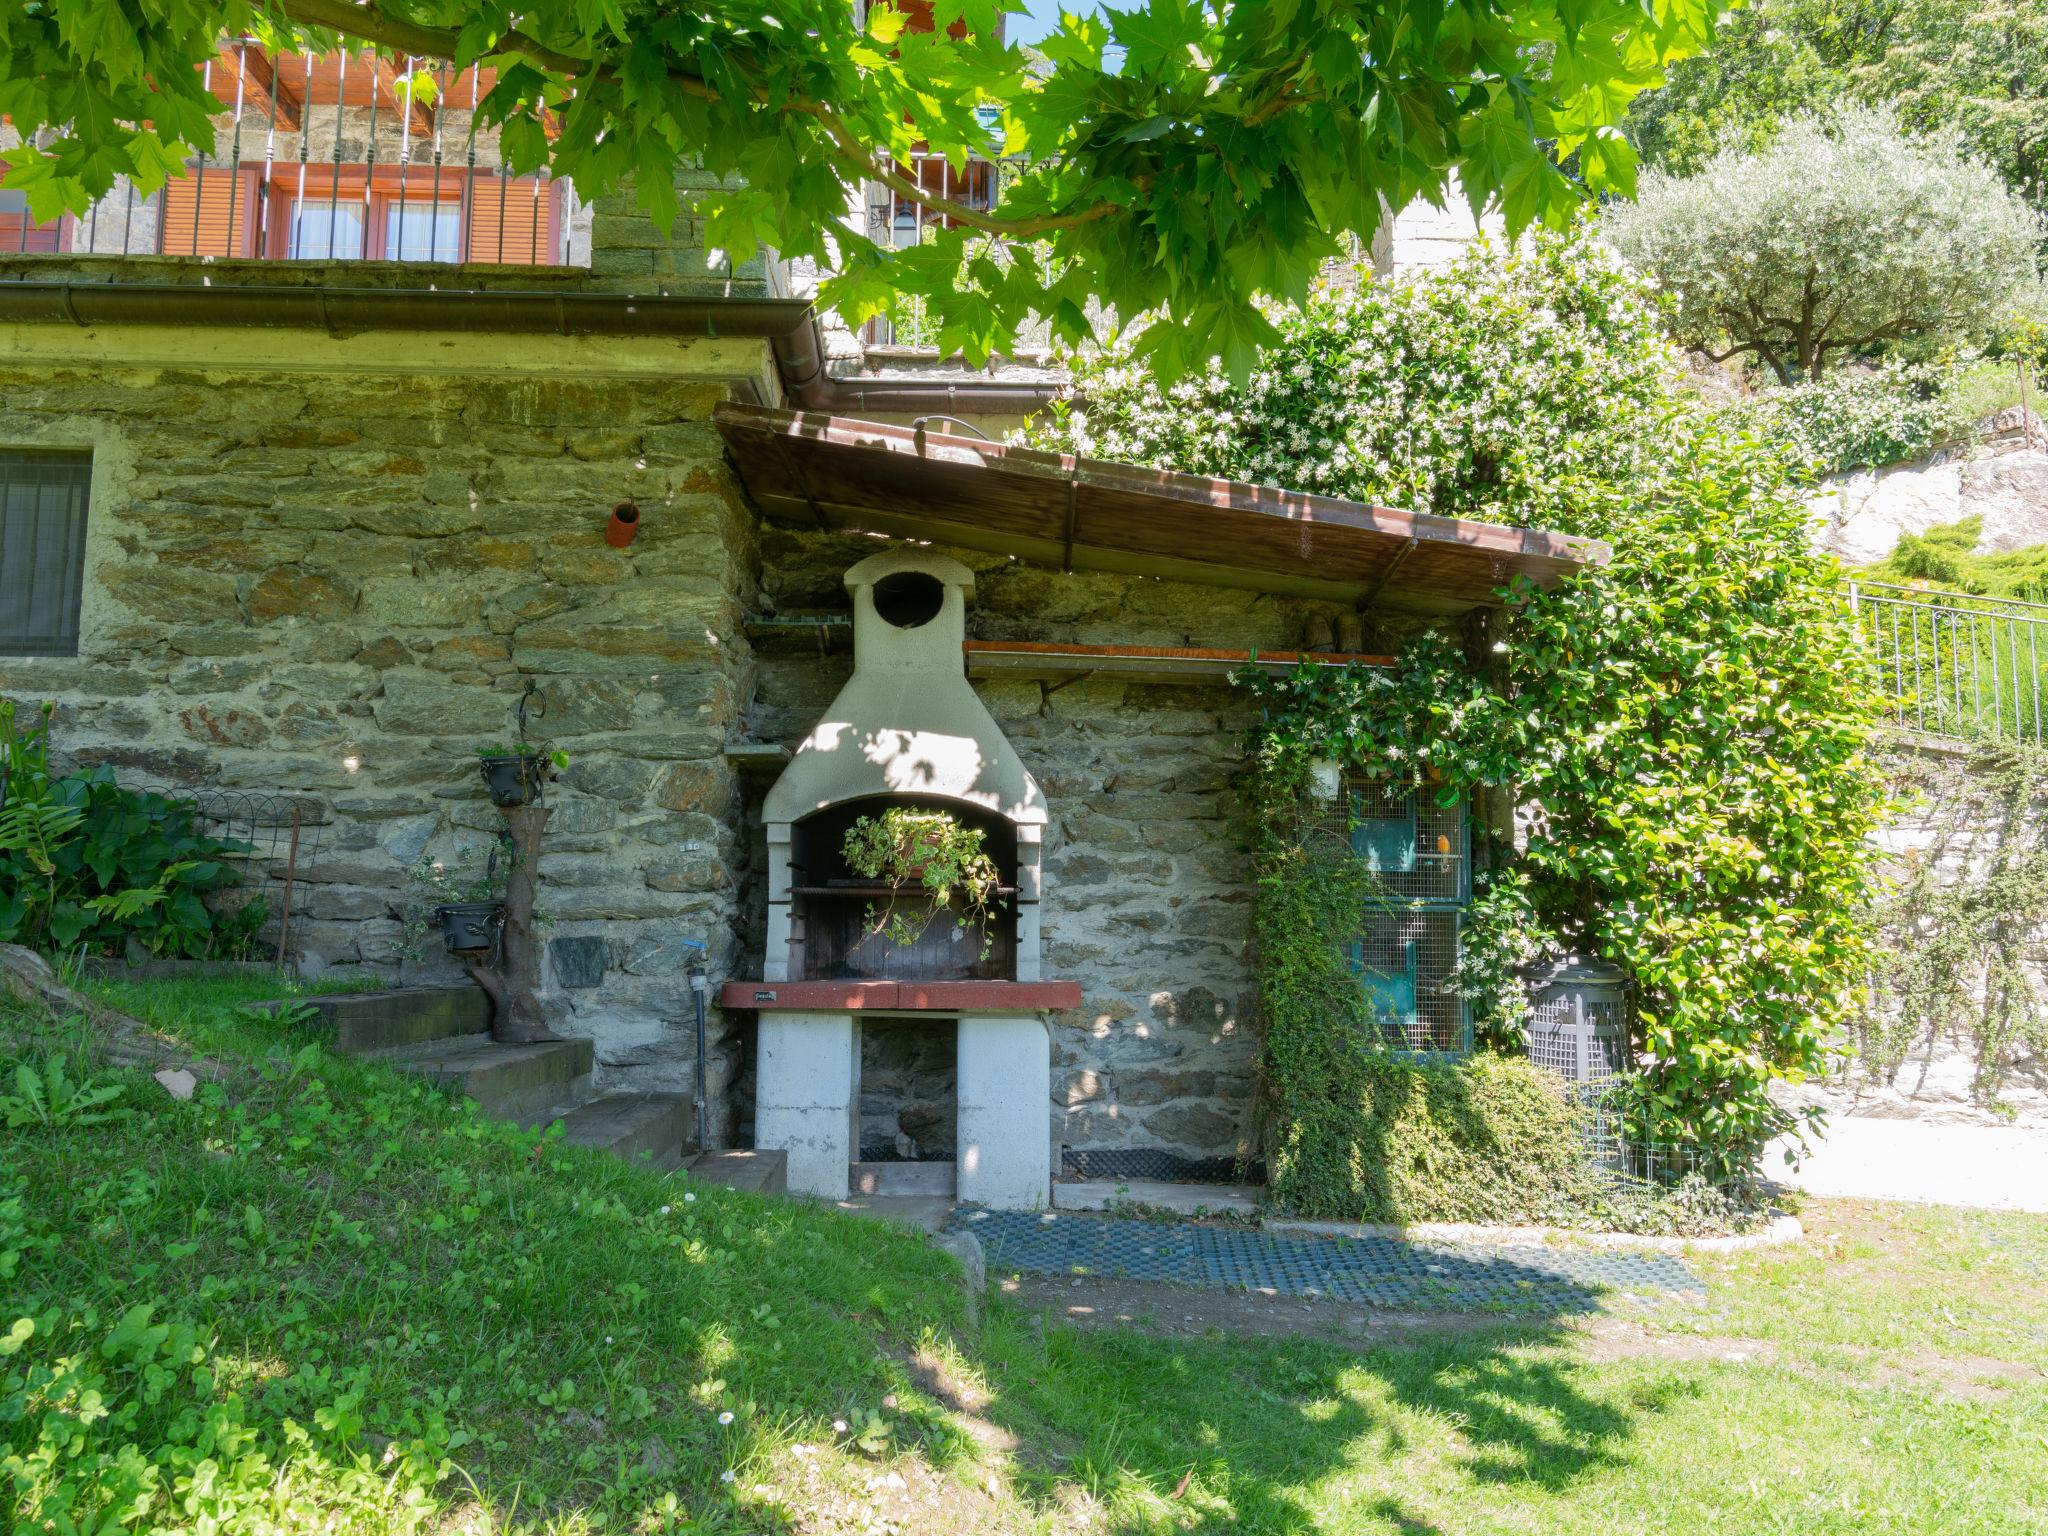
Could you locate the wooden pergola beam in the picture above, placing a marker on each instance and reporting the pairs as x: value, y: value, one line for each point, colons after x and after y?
x: 262, y: 85
x: 384, y: 77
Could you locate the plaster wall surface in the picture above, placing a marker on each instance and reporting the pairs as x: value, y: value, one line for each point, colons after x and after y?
x: 808, y: 1098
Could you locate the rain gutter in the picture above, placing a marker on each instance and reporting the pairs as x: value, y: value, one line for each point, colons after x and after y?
x: 789, y: 325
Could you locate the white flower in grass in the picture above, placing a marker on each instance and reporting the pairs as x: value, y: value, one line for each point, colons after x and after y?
x: 687, y: 1200
x: 726, y: 1476
x: 725, y: 1417
x: 839, y: 1426
x: 664, y: 1210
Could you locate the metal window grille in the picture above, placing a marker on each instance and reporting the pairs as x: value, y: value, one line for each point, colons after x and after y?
x: 1418, y: 850
x: 1949, y: 664
x: 338, y: 156
x: 43, y: 497
x: 1405, y: 951
x: 1405, y: 962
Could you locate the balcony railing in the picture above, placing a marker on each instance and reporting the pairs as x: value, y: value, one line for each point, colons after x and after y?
x: 902, y: 222
x: 1953, y: 665
x: 330, y: 157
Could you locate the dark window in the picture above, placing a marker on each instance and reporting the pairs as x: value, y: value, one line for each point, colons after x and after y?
x: 42, y: 550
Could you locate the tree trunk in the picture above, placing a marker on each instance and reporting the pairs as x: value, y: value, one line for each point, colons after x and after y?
x: 512, y: 974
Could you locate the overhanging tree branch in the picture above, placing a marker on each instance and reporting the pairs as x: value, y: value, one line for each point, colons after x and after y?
x: 375, y: 27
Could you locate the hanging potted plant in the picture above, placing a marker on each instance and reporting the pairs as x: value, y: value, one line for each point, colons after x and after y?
x: 514, y: 774
x: 461, y: 899
x: 933, y: 859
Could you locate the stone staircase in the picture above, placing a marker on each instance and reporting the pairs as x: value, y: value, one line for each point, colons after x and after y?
x: 443, y: 1034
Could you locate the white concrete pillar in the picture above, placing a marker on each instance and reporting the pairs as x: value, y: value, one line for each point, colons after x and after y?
x: 1004, y: 1072
x: 807, y: 1098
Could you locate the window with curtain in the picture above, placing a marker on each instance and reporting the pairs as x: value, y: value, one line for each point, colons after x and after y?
x: 422, y: 231
x: 43, y: 499
x: 325, y: 231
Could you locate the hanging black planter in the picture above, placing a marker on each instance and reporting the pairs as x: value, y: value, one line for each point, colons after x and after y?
x: 469, y: 926
x: 514, y: 780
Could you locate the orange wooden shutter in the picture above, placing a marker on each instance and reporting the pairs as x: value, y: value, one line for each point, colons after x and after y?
x: 509, y: 223
x: 206, y: 213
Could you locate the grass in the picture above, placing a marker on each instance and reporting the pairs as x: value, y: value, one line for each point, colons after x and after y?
x: 408, y: 1318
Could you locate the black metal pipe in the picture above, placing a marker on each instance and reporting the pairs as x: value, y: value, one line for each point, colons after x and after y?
x: 700, y: 987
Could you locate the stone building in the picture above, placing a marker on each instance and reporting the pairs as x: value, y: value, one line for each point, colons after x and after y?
x: 324, y: 528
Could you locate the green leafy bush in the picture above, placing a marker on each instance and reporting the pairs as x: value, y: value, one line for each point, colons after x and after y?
x: 85, y: 863
x: 1684, y: 727
x: 1489, y: 1138
x: 1853, y: 420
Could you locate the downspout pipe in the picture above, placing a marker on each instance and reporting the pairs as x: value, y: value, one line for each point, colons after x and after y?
x: 790, y: 326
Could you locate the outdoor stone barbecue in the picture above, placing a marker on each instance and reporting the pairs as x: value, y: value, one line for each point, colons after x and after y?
x: 907, y: 729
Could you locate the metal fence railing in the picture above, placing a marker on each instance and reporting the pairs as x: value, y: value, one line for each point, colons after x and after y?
x: 1951, y: 664
x: 328, y: 157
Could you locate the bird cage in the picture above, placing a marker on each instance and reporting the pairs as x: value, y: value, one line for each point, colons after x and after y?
x: 1418, y: 849
x: 1579, y: 1023
x: 1405, y: 961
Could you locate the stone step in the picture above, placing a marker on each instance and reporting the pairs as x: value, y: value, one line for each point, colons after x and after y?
x: 358, y: 1023
x: 890, y: 1179
x: 761, y: 1173
x: 654, y: 1128
x: 509, y: 1082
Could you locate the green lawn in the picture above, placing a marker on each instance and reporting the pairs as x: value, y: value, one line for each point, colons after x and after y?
x: 384, y: 1314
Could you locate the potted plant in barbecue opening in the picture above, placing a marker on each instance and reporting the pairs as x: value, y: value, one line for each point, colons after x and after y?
x: 514, y: 774
x: 464, y: 897
x: 933, y: 861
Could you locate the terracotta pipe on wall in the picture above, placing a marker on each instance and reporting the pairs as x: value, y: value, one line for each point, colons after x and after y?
x: 624, y: 524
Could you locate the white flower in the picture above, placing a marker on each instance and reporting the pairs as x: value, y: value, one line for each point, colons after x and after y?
x: 664, y: 1210
x: 726, y: 1476
x: 839, y: 1426
x: 607, y: 1338
x: 725, y: 1417
x: 687, y: 1200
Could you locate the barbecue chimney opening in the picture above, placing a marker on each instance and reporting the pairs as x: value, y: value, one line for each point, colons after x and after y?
x: 909, y: 599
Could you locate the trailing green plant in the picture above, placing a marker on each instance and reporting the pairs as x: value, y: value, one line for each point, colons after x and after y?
x: 86, y: 864
x: 1962, y: 923
x: 555, y: 756
x: 931, y: 853
x: 1684, y: 726
x: 473, y: 873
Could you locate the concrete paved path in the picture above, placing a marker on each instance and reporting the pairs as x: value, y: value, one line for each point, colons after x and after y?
x: 1999, y: 1168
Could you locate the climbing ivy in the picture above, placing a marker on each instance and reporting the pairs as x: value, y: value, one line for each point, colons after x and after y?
x: 1963, y: 923
x: 1684, y: 728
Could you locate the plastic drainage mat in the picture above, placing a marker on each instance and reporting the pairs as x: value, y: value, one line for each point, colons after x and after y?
x: 1377, y: 1271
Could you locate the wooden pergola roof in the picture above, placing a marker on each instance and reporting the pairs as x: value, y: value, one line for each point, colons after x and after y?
x: 833, y: 472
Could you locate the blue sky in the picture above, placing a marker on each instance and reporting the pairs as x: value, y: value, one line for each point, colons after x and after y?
x: 1043, y: 16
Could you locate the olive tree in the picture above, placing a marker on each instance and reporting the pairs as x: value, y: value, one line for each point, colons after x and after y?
x: 1844, y: 234
x: 1167, y: 157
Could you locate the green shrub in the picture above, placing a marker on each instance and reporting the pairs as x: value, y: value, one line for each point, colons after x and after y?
x: 1489, y: 1138
x: 1684, y: 727
x: 85, y: 863
x: 1853, y: 420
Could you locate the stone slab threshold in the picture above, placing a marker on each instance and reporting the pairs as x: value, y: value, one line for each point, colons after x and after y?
x: 1778, y: 1231
x: 1156, y: 1194
x: 900, y: 996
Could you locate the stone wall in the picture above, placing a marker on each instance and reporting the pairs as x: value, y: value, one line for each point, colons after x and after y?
x: 339, y: 584
x: 1147, y: 891
x: 1953, y: 821
x: 2000, y: 476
